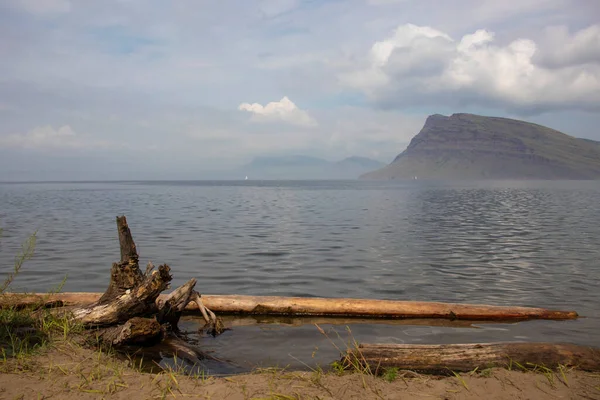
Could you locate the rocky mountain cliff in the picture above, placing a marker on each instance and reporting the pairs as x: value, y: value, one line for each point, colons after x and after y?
x: 467, y: 146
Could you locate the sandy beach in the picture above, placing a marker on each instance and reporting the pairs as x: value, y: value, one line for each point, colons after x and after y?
x: 68, y: 371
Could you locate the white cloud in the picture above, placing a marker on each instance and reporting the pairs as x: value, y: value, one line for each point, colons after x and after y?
x: 405, y: 37
x: 408, y: 51
x: 424, y: 63
x: 44, y: 6
x: 284, y: 110
x: 46, y: 137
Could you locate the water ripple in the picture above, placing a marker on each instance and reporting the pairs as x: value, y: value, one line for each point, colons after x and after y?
x: 533, y: 243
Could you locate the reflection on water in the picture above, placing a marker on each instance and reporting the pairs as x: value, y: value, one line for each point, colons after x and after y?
x: 519, y: 243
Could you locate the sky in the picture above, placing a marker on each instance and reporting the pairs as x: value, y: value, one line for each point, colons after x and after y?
x: 132, y: 89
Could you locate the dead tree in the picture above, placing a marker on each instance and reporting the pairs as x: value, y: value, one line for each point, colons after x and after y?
x: 128, y: 312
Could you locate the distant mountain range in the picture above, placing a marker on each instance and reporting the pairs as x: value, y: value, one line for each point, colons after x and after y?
x: 467, y: 146
x: 304, y: 167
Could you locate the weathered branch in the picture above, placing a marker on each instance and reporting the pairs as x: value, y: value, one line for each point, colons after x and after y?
x: 181, y: 349
x: 135, y: 332
x: 170, y: 310
x: 214, y: 325
x: 139, y: 300
x: 445, y: 358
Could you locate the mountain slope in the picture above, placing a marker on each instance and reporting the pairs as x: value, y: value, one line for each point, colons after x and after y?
x: 467, y: 146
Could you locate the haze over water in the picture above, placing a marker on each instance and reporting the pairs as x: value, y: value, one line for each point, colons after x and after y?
x: 501, y: 243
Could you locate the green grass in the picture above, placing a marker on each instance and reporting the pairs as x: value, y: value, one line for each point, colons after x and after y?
x: 460, y: 379
x: 27, y: 251
x: 390, y: 374
x: 350, y: 353
x: 25, y: 330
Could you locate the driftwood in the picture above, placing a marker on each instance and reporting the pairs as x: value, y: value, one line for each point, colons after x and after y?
x: 126, y: 274
x: 136, y: 331
x: 130, y: 293
x: 445, y: 358
x: 341, y: 307
x: 136, y: 301
x: 327, y: 307
x: 117, y: 316
x: 172, y: 307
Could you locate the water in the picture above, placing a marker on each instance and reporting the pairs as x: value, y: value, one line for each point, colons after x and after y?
x: 503, y: 243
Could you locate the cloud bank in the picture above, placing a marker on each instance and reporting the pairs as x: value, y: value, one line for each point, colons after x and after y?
x: 200, y: 87
x: 426, y: 65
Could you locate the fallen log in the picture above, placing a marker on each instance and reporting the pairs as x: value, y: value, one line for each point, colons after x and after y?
x: 445, y: 358
x: 327, y: 307
x: 344, y: 307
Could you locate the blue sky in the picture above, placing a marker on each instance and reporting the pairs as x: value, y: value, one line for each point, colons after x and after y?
x: 131, y: 89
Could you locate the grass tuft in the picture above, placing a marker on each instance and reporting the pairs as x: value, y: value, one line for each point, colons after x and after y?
x: 460, y: 379
x: 27, y: 251
x: 390, y: 374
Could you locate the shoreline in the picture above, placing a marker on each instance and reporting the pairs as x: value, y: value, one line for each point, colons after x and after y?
x: 68, y: 371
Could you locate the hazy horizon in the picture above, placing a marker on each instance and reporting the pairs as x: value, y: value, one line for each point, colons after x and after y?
x: 130, y: 90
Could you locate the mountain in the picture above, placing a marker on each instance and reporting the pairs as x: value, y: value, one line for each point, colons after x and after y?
x: 304, y: 167
x: 467, y: 146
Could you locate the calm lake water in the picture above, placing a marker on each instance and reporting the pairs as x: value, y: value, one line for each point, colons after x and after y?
x: 503, y: 243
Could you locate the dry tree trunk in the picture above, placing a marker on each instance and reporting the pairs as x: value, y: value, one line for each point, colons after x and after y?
x: 446, y: 358
x: 125, y: 274
x: 132, y: 295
